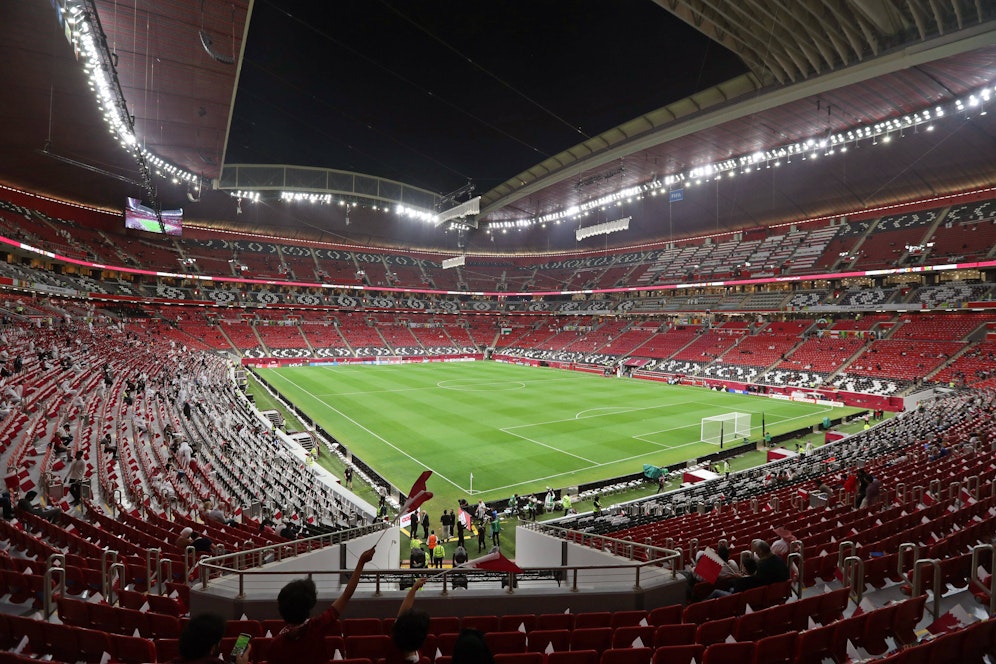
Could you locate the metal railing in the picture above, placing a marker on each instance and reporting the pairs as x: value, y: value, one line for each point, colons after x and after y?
x: 918, y: 583
x: 976, y: 583
x: 644, y: 552
x: 246, y: 564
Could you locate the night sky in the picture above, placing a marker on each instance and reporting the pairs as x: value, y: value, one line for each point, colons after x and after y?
x: 437, y: 93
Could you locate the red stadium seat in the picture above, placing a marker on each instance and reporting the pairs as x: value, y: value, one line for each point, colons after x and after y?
x: 674, y: 635
x: 728, y: 653
x: 544, y: 640
x: 598, y: 639
x: 627, y: 656
x: 518, y: 658
x: 572, y: 657
x: 512, y: 622
x: 555, y: 621
x: 665, y: 615
x: 480, y: 623
x: 506, y: 642
x: 683, y: 654
x: 625, y: 637
x: 778, y: 649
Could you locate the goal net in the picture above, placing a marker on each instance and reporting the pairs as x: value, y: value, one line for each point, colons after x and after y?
x: 728, y: 427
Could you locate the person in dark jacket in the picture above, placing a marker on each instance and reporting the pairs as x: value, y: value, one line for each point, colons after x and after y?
x: 200, y: 642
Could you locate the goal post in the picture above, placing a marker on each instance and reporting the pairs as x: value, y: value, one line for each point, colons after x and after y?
x: 727, y: 427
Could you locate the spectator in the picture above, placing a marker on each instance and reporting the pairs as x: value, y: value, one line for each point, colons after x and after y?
x: 27, y: 504
x: 6, y: 506
x: 416, y: 559
x: 212, y: 512
x: 302, y: 641
x: 730, y: 569
x: 410, y: 629
x: 185, y: 538
x: 200, y: 642
x: 460, y: 556
x: 470, y: 648
x: 202, y: 544
x: 770, y: 569
x: 495, y: 531
x: 873, y: 492
x: 77, y: 469
x: 780, y: 547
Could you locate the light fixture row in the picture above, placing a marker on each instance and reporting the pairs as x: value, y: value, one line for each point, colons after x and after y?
x: 84, y: 33
x: 808, y: 149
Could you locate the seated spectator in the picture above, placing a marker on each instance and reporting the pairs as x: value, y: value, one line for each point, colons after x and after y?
x: 730, y: 568
x: 27, y: 504
x: 185, y: 538
x: 470, y: 648
x: 6, y: 506
x: 202, y: 544
x: 200, y: 642
x: 780, y: 547
x: 302, y: 640
x: 211, y: 512
x: 770, y: 569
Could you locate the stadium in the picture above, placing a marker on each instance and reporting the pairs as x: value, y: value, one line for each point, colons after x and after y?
x: 669, y: 324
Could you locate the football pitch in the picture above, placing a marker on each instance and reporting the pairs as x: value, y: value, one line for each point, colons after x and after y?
x: 488, y: 429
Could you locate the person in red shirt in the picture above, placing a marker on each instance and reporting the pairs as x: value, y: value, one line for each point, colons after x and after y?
x: 302, y: 640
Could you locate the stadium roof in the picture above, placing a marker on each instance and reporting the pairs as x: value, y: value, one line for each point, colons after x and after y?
x: 542, y: 110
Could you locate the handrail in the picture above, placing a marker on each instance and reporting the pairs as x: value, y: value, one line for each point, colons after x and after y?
x: 918, y: 583
x: 235, y: 562
x: 854, y: 576
x: 108, y: 558
x: 841, y: 555
x: 56, y: 566
x: 669, y: 557
x: 112, y: 593
x: 152, y: 559
x: 976, y: 582
x: 901, y: 493
x: 901, y: 567
x: 167, y: 564
x: 796, y: 558
x: 246, y: 563
x: 972, y: 486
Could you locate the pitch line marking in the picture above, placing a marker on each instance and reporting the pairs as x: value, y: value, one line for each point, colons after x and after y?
x: 630, y: 458
x: 549, y: 447
x: 374, y: 434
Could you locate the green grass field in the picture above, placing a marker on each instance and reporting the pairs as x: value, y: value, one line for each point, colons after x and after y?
x: 516, y: 429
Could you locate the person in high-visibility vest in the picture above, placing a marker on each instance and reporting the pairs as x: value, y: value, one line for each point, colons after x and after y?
x: 565, y: 500
x: 438, y: 554
x: 432, y: 542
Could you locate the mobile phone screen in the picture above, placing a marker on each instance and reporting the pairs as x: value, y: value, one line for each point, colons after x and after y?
x: 240, y: 646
